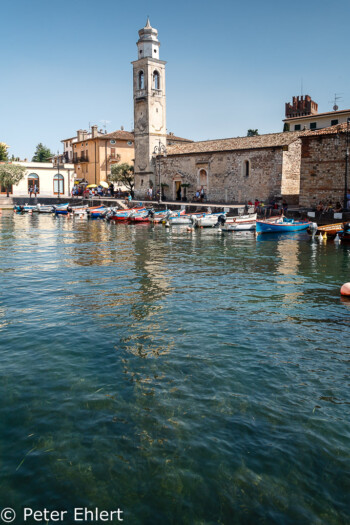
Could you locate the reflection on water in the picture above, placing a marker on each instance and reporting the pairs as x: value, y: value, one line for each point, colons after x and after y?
x: 187, y: 377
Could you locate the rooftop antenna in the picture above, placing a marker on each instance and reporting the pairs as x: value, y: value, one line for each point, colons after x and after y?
x: 301, y: 86
x: 336, y: 98
x: 104, y: 123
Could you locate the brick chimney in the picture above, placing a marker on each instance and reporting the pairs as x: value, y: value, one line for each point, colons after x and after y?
x: 94, y: 131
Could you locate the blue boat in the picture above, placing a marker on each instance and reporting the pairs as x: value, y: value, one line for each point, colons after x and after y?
x: 281, y: 226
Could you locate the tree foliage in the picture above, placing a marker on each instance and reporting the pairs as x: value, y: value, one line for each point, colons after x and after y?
x: 10, y: 175
x: 123, y: 173
x: 3, y: 151
x: 252, y: 132
x: 42, y: 154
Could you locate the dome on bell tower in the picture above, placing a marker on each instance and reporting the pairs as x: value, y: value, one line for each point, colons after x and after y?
x: 148, y: 44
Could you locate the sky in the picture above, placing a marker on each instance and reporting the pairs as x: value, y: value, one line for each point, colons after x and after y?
x: 231, y: 65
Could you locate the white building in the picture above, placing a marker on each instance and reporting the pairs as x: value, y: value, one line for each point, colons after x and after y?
x: 48, y: 180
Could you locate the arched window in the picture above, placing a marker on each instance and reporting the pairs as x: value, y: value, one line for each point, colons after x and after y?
x: 246, y: 168
x: 156, y: 80
x: 58, y: 184
x: 33, y: 180
x: 141, y: 80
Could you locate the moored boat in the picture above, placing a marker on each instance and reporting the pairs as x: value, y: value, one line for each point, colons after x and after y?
x: 209, y: 220
x: 242, y: 223
x: 344, y: 235
x: 122, y: 215
x: 282, y: 225
x: 330, y: 229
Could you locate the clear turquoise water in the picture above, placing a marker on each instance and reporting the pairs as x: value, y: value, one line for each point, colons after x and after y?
x: 187, y: 378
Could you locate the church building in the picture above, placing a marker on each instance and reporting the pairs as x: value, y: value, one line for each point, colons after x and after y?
x: 229, y: 170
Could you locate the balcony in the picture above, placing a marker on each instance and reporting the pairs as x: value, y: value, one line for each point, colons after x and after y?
x: 82, y: 158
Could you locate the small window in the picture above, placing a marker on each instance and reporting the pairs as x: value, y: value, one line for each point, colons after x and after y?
x: 297, y: 127
x: 112, y: 141
x: 129, y: 143
x: 313, y: 125
x: 141, y: 80
x: 334, y: 122
x: 86, y: 144
x: 156, y: 80
x: 246, y: 168
x: 113, y: 153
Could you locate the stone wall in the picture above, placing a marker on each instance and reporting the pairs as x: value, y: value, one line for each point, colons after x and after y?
x: 290, y: 187
x: 228, y: 177
x: 322, y: 172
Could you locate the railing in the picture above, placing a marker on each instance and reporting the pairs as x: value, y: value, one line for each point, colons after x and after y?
x: 82, y: 158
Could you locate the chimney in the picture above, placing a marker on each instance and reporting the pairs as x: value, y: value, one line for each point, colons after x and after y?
x: 80, y: 133
x: 94, y: 131
x: 122, y: 128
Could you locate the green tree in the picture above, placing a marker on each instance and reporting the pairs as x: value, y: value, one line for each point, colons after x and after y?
x: 3, y: 151
x: 252, y: 132
x: 42, y: 154
x: 11, y: 174
x: 123, y: 173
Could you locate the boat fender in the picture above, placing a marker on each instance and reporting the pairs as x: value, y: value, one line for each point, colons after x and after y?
x: 337, y: 239
x: 313, y: 226
x: 320, y: 238
x: 345, y: 289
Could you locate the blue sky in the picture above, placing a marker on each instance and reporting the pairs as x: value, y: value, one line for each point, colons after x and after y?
x: 231, y: 65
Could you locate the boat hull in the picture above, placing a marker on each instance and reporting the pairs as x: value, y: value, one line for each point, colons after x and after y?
x: 240, y: 227
x: 281, y: 227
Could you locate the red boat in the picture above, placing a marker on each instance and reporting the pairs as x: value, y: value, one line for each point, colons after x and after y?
x: 123, y: 215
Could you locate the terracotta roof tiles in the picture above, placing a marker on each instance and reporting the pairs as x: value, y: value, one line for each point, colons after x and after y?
x: 331, y: 130
x: 271, y: 140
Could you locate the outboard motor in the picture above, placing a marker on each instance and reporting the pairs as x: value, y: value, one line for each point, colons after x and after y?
x: 221, y: 220
x: 347, y: 227
x: 151, y: 213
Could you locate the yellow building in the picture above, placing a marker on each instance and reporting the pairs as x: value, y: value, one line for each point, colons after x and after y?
x: 94, y: 153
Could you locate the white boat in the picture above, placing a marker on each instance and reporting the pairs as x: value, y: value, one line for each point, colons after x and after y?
x: 44, y: 208
x: 185, y: 219
x: 240, y: 223
x: 208, y: 221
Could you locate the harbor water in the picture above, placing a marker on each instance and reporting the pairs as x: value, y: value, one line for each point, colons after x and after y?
x: 185, y: 378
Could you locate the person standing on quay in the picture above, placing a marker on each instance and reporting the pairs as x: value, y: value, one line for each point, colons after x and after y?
x: 35, y: 190
x: 30, y: 191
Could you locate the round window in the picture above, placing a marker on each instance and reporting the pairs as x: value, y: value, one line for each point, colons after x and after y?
x: 129, y: 143
x: 112, y: 141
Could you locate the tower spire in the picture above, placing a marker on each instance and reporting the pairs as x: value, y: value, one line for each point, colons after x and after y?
x: 148, y: 24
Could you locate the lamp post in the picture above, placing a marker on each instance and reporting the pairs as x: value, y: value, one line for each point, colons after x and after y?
x: 346, y: 165
x: 159, y: 152
x: 58, y: 172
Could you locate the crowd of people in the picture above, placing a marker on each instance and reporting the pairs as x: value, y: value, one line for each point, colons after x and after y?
x: 328, y: 207
x: 273, y: 207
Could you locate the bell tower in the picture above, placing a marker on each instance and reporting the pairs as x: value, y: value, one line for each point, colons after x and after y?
x: 149, y: 107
